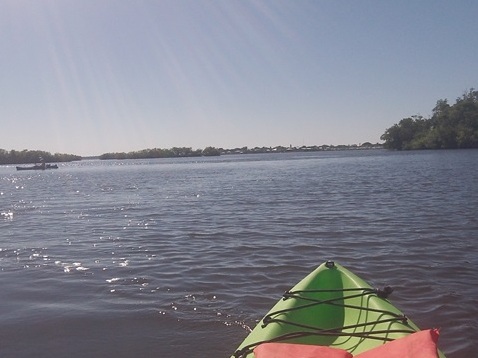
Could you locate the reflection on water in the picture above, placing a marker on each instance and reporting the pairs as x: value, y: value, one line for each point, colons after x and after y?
x: 181, y: 257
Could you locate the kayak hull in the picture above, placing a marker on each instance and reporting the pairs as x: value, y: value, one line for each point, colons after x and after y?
x: 331, y: 307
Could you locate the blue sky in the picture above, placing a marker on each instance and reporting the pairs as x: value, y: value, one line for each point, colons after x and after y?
x: 93, y: 76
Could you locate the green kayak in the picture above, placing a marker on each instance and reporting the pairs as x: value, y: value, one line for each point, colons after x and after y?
x: 333, y: 309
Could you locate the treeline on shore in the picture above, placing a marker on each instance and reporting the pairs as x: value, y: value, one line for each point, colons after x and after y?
x: 174, y: 152
x: 212, y: 151
x: 450, y: 127
x: 37, y: 156
x: 34, y: 156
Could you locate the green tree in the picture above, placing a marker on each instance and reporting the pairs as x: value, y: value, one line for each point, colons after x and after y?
x: 210, y: 151
x: 34, y: 156
x: 454, y: 126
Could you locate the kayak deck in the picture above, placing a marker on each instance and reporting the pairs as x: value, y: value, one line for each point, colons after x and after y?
x: 331, y: 307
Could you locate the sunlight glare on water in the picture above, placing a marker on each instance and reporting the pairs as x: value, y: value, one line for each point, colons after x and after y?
x: 181, y: 257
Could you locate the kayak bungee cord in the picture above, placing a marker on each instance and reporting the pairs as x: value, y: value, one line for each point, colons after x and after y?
x: 338, y: 331
x: 332, y: 301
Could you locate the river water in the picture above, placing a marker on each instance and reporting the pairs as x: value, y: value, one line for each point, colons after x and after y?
x: 180, y: 257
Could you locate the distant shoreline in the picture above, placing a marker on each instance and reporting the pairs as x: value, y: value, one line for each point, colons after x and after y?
x: 304, y: 148
x: 36, y: 156
x: 212, y: 151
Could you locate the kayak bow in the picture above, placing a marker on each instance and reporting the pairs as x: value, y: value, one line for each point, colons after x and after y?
x: 332, y: 308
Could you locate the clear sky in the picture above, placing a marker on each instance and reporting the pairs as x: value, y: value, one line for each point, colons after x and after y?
x: 88, y: 77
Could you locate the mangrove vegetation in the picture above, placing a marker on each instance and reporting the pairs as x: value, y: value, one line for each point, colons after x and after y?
x: 174, y: 152
x: 34, y: 156
x: 212, y: 151
x: 450, y: 127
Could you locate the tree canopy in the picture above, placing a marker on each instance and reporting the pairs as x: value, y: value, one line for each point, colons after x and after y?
x: 34, y: 156
x: 174, y: 152
x: 449, y: 127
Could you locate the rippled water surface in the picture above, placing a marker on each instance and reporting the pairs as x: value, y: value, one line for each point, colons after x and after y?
x: 179, y: 258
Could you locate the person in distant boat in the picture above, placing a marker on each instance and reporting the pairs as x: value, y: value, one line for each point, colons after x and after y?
x: 42, y: 163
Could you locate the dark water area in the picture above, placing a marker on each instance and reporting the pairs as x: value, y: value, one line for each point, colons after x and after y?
x: 180, y: 257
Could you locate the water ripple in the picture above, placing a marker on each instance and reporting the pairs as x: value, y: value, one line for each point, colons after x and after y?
x: 186, y: 256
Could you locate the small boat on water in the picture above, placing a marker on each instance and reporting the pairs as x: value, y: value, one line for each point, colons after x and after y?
x: 39, y: 167
x: 334, y: 313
